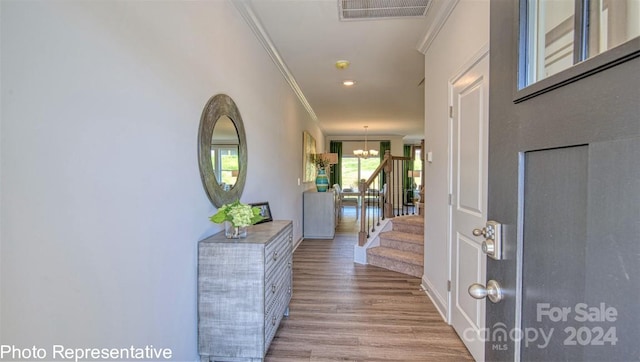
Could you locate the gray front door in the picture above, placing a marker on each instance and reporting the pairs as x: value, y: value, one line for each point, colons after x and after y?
x: 564, y: 179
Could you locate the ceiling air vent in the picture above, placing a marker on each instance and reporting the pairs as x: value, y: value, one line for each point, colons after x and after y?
x: 382, y: 9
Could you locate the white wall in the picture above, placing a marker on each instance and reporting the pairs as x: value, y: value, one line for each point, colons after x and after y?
x: 102, y: 203
x: 462, y: 36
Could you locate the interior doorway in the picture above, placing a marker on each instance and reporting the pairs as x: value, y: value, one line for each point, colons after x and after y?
x: 469, y: 125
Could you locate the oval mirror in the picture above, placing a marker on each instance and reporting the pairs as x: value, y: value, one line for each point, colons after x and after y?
x: 224, y: 153
x: 222, y: 150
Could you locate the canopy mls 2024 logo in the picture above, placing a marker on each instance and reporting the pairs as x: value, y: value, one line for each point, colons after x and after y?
x: 580, y: 324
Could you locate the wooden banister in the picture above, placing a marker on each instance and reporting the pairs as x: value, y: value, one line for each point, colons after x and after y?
x: 388, y: 200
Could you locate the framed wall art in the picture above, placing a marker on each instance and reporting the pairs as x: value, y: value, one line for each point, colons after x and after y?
x: 308, y: 150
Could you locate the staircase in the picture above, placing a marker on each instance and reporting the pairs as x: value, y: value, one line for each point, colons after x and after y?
x: 402, y: 248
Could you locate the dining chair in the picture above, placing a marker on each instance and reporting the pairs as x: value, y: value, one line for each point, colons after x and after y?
x: 350, y: 200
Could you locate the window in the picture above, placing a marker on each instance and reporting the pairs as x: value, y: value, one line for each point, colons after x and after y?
x: 349, y: 172
x: 560, y: 34
x: 550, y: 38
x: 354, y: 169
x: 417, y: 166
x: 224, y: 160
x: 611, y: 23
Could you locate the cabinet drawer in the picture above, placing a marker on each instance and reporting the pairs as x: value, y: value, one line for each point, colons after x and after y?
x: 279, y: 251
x: 282, y: 238
x: 273, y: 318
x: 279, y: 284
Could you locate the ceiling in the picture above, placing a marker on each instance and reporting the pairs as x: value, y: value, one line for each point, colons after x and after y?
x: 309, y: 38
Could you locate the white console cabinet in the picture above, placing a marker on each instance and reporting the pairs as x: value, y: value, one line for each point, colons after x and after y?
x: 319, y: 214
x: 244, y: 289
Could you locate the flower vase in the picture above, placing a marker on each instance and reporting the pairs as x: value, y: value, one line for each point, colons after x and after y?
x: 322, y: 181
x: 234, y: 232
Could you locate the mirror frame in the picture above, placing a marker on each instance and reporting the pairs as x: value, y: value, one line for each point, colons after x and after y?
x: 218, y: 106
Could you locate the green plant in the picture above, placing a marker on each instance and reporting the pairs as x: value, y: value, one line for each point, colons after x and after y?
x: 237, y: 213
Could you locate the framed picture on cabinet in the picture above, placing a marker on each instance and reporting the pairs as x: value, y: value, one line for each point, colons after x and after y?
x: 265, y: 211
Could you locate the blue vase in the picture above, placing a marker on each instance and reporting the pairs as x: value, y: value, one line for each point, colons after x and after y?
x: 322, y: 181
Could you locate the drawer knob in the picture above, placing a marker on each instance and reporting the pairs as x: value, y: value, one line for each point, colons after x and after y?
x: 273, y: 320
x: 273, y: 288
x: 275, y: 256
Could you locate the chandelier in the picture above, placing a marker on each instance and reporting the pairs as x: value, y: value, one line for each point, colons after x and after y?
x: 365, y: 153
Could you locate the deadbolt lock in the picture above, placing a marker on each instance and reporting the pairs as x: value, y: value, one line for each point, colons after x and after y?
x: 489, y: 247
x: 492, y: 245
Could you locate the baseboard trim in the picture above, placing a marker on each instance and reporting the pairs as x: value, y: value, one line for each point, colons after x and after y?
x: 436, y: 299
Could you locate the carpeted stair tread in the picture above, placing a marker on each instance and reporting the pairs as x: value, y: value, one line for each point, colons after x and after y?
x: 413, y: 243
x: 395, y: 254
x: 403, y: 236
x: 414, y: 219
x: 396, y: 260
x: 402, y: 248
x: 410, y: 224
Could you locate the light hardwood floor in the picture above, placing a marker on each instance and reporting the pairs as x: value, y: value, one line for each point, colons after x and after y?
x: 343, y: 311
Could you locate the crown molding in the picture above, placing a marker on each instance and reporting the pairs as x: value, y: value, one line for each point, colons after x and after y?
x: 245, y: 9
x: 444, y: 10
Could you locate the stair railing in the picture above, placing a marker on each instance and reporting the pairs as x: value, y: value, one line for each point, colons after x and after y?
x: 386, y: 194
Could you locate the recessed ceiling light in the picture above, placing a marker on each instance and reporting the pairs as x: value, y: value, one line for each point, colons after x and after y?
x: 349, y: 83
x: 342, y: 64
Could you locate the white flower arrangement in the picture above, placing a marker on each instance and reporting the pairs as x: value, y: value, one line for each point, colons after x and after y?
x: 238, y: 214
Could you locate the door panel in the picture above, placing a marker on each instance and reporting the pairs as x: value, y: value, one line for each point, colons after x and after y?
x: 553, y: 247
x: 613, y: 246
x: 470, y: 256
x: 470, y: 148
x: 580, y: 263
x: 564, y: 180
x: 469, y: 129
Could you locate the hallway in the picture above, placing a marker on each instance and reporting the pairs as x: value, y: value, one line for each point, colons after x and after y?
x: 343, y: 311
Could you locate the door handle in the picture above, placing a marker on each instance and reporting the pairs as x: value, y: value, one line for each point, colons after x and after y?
x: 480, y: 232
x: 493, y: 290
